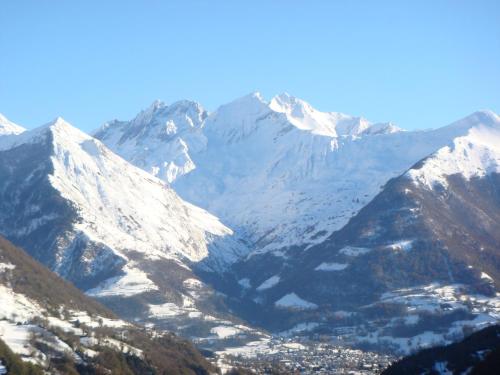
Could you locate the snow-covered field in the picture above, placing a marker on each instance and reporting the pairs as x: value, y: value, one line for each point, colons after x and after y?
x: 23, y: 322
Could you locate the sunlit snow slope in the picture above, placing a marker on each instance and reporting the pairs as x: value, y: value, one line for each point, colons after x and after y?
x: 280, y: 173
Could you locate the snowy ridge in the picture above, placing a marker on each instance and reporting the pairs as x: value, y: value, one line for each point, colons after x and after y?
x: 473, y: 155
x: 333, y: 124
x: 7, y: 127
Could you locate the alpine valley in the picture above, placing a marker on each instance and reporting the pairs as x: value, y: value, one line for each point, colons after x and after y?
x: 262, y: 226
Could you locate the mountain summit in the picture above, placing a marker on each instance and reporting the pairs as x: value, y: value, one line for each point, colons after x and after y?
x: 160, y: 139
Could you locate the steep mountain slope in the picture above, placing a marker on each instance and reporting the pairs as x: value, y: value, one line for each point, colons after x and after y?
x: 412, y: 268
x: 49, y: 322
x: 114, y: 230
x: 8, y: 127
x: 477, y: 354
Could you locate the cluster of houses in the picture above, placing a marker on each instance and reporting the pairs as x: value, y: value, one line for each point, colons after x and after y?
x: 315, y: 358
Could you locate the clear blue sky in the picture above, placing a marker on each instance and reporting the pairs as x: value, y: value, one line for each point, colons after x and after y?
x: 418, y: 63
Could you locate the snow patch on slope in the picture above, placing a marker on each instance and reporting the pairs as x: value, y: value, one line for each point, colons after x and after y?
x: 403, y: 245
x: 269, y: 283
x: 331, y: 267
x: 352, y: 251
x: 293, y: 301
x: 224, y: 332
x: 133, y: 282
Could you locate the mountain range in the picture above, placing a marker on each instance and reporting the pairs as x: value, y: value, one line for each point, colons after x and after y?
x: 266, y: 216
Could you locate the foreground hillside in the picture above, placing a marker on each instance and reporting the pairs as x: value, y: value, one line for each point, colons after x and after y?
x: 477, y: 354
x: 49, y: 323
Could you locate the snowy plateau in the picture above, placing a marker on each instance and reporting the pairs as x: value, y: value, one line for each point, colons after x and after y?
x: 265, y: 216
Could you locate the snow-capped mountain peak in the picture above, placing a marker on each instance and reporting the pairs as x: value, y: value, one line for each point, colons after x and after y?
x: 147, y: 114
x: 238, y: 119
x: 304, y: 116
x: 475, y: 154
x: 57, y: 128
x: 160, y: 138
x: 7, y: 127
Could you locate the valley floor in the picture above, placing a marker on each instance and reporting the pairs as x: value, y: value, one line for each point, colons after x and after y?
x: 302, y: 356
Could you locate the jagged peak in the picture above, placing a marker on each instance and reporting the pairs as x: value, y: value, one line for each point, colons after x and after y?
x: 58, y: 122
x: 254, y: 99
x: 59, y: 129
x: 186, y: 103
x: 238, y: 118
x: 243, y: 107
x: 160, y: 108
x: 60, y: 126
x: 147, y: 114
x: 284, y: 100
x: 382, y: 128
x: 305, y: 117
